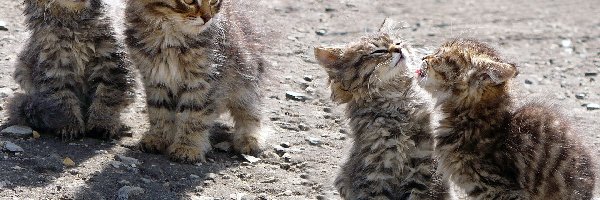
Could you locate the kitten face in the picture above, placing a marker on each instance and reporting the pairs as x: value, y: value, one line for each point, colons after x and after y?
x: 198, y: 12
x: 465, y: 68
x: 360, y: 66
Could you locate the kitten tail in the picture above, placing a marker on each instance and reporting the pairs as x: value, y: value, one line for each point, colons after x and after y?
x: 35, y: 111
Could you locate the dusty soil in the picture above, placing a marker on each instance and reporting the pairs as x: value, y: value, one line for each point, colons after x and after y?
x: 555, y: 43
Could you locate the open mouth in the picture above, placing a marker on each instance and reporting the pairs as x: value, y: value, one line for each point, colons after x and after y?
x: 423, y: 71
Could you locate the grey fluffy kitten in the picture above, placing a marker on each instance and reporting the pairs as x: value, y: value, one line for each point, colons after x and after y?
x: 198, y: 59
x: 491, y: 148
x: 72, y: 69
x: 391, y: 157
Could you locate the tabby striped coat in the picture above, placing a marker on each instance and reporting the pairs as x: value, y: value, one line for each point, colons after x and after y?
x: 73, y: 71
x: 197, y: 59
x: 488, y: 147
x: 391, y: 157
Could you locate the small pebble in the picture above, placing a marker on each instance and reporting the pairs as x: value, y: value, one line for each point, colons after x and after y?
x: 115, y: 164
x: 194, y: 176
x: 128, y: 191
x: 308, y: 78
x: 313, y: 141
x: 12, y: 147
x: 250, y: 158
x: 211, y: 176
x: 18, y: 131
x: 3, y: 26
x: 593, y: 106
x: 128, y: 160
x: 146, y: 181
x: 285, y: 145
x: 295, y: 96
x: 36, y: 135
x: 321, y: 32
x: 68, y: 162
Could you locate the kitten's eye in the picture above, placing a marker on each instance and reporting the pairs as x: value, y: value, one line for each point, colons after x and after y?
x: 214, y: 2
x: 189, y: 1
x: 380, y: 51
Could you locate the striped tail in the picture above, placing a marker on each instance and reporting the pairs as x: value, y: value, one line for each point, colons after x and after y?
x: 36, y: 111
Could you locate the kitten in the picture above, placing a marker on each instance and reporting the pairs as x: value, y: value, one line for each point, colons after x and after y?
x: 197, y: 59
x: 72, y: 70
x: 491, y: 149
x: 391, y: 157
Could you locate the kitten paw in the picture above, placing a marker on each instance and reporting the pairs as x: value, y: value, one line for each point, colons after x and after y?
x: 247, y: 145
x: 152, y: 143
x: 186, y: 153
x: 71, y: 132
x: 103, y: 131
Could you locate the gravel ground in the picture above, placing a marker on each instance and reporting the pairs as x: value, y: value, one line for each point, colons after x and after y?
x: 556, y: 43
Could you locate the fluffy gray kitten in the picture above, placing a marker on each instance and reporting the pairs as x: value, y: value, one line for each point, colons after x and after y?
x: 72, y: 70
x: 198, y: 59
x: 391, y: 157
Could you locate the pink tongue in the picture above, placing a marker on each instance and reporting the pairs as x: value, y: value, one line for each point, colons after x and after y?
x: 419, y: 72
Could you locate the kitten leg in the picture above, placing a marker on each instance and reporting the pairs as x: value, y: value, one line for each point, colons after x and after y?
x: 110, y: 87
x: 161, y: 106
x: 22, y: 75
x: 196, y: 111
x: 68, y: 104
x: 246, y: 115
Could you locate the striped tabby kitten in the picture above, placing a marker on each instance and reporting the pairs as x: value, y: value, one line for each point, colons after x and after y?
x: 491, y: 149
x: 72, y: 70
x: 391, y: 157
x: 197, y: 59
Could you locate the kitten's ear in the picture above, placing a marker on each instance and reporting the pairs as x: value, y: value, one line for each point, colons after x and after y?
x: 387, y: 25
x: 496, y: 72
x: 328, y: 56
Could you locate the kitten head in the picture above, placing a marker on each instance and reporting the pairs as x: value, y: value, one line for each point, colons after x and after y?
x: 360, y: 68
x: 466, y: 70
x: 189, y: 12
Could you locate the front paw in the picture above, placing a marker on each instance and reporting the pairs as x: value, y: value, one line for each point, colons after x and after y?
x: 187, y: 153
x: 247, y: 144
x: 152, y: 143
x: 71, y: 131
x: 106, y: 132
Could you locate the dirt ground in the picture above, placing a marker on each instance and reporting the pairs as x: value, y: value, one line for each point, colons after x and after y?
x: 556, y: 43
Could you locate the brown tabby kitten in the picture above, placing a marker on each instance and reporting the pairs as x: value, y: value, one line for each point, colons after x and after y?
x: 197, y: 59
x: 72, y: 70
x: 391, y: 157
x: 487, y: 147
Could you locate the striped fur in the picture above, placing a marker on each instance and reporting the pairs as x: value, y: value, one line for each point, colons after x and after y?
x: 72, y: 70
x: 391, y: 157
x: 197, y: 60
x: 491, y: 149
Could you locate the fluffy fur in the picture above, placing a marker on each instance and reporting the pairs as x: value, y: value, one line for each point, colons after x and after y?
x: 488, y: 147
x: 72, y: 70
x: 197, y: 60
x: 391, y: 157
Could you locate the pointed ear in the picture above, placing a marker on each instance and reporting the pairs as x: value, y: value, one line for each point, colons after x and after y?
x: 328, y: 56
x: 494, y: 71
x: 387, y: 25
